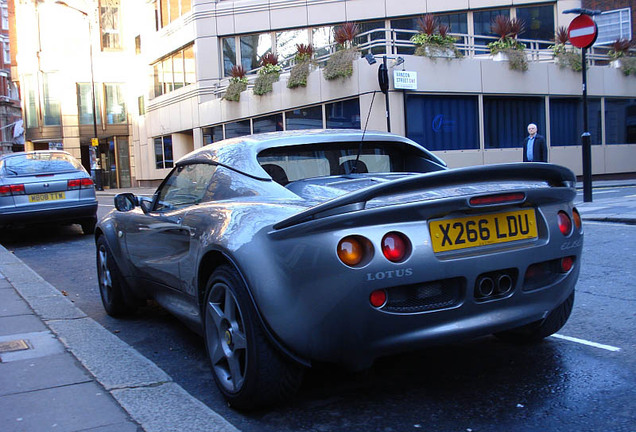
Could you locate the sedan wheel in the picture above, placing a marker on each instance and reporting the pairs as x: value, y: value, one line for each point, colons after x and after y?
x: 248, y: 369
x: 109, y: 279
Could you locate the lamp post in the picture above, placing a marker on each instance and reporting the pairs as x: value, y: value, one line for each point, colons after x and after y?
x: 383, y: 81
x: 95, y: 167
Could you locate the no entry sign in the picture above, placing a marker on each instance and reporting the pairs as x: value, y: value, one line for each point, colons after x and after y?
x: 582, y: 31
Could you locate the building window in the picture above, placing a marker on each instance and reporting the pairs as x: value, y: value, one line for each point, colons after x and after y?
x: 5, y: 17
x: 170, y: 10
x: 141, y: 105
x: 569, y: 111
x: 620, y: 121
x: 443, y: 122
x: 271, y: 123
x: 174, y: 71
x: 212, y: 134
x: 7, y: 53
x: 28, y: 87
x: 286, y: 42
x: 85, y: 104
x: 304, y: 118
x: 229, y: 54
x: 343, y: 115
x: 539, y: 22
x: 138, y: 44
x: 115, y: 104
x: 52, y: 114
x: 506, y: 120
x: 237, y: 129
x: 613, y: 25
x: 163, y: 152
x: 372, y: 36
x: 482, y: 22
x: 322, y: 39
x: 405, y: 28
x: 109, y: 22
x: 253, y: 47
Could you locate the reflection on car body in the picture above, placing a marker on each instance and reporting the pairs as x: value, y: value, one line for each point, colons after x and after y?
x: 46, y: 186
x: 291, y: 248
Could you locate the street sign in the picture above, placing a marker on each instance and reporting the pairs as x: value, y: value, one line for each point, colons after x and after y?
x: 405, y: 80
x: 582, y: 31
x: 94, y: 142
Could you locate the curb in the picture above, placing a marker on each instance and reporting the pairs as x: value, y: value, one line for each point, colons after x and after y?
x: 141, y: 388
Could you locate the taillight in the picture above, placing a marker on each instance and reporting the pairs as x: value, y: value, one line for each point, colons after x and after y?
x: 395, y: 247
x: 83, y: 183
x: 577, y: 219
x: 565, y: 223
x: 566, y: 264
x: 497, y: 199
x: 352, y: 250
x: 377, y: 298
x: 15, y: 189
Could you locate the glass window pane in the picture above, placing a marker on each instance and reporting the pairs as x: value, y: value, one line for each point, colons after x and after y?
x: 443, y: 122
x: 158, y: 152
x: 539, y: 22
x: 322, y: 39
x: 167, y: 151
x: 115, y: 104
x: 109, y: 24
x: 85, y: 104
x: 304, y: 118
x: 157, y: 73
x: 373, y: 38
x: 31, y: 102
x: 185, y: 6
x: 177, y: 64
x: 506, y: 120
x: 286, y: 43
x: 212, y: 134
x: 229, y: 54
x: 620, y: 121
x: 168, y: 80
x: 270, y: 123
x: 405, y: 28
x: 483, y: 20
x: 188, y: 58
x: 343, y: 115
x: 253, y: 47
x: 52, y: 115
x: 569, y: 111
x: 237, y: 129
x: 165, y: 14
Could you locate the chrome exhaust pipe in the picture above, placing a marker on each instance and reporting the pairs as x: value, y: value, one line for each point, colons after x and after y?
x: 504, y: 284
x: 485, y: 287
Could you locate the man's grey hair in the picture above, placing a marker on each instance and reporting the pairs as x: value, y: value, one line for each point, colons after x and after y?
x: 532, y: 124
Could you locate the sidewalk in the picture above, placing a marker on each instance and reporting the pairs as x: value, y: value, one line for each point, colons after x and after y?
x: 60, y: 370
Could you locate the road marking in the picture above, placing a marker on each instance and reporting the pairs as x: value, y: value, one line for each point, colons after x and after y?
x: 586, y: 342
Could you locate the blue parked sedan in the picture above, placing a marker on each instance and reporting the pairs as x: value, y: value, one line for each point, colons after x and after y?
x: 46, y: 187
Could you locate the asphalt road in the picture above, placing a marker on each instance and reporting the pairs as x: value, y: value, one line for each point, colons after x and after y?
x: 482, y: 385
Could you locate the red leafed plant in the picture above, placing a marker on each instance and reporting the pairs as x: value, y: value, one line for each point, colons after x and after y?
x: 345, y: 34
x: 269, y: 59
x: 561, y: 36
x: 427, y: 24
x: 501, y: 26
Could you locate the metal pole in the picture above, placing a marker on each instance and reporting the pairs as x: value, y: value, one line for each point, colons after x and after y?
x: 585, y: 137
x: 386, y: 100
x: 98, y: 171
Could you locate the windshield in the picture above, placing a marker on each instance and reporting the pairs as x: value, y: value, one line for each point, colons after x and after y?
x: 40, y: 163
x: 301, y: 162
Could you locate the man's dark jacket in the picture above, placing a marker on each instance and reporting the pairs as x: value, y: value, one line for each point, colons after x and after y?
x: 539, y: 151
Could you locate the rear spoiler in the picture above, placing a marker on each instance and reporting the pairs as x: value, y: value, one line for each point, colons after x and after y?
x: 554, y: 175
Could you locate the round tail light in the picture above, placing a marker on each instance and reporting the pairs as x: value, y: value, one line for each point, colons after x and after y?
x: 378, y: 298
x: 566, y: 264
x: 577, y: 219
x: 351, y: 251
x: 395, y: 247
x: 565, y: 223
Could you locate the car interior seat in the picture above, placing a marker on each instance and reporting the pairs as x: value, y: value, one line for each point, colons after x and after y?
x: 347, y: 167
x: 277, y: 173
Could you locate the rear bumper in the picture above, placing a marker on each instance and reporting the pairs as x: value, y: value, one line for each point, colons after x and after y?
x: 67, y: 213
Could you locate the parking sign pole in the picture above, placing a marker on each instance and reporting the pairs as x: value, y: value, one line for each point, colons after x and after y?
x: 585, y: 137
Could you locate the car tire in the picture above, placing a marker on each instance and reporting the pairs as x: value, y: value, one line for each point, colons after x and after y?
x: 88, y: 225
x: 111, y: 286
x: 539, y: 330
x: 249, y: 371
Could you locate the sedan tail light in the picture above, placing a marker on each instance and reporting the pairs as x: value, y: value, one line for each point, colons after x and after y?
x: 84, y: 183
x: 15, y: 189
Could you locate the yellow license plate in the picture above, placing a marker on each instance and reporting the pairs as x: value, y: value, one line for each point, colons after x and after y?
x: 472, y: 231
x: 51, y: 196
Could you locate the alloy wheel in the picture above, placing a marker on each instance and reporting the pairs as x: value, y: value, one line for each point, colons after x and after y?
x: 105, y: 278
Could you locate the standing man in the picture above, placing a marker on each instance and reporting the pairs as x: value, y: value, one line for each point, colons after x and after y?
x: 534, y: 147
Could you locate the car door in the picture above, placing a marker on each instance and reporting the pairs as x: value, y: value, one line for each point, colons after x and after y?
x: 157, y: 240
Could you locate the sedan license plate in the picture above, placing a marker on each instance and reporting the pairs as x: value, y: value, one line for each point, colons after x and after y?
x: 472, y: 231
x: 51, y: 196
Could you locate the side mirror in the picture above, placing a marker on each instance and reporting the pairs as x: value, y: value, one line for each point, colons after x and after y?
x: 125, y: 201
x: 145, y: 203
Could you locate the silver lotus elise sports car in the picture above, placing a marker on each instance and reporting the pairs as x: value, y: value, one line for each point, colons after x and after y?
x: 290, y: 248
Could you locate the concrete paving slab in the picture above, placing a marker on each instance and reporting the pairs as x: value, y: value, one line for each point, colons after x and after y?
x: 168, y: 408
x: 11, y: 304
x: 55, y: 307
x: 94, y: 346
x: 69, y: 408
x: 41, y: 344
x: 119, y: 427
x: 20, y: 324
x: 41, y: 373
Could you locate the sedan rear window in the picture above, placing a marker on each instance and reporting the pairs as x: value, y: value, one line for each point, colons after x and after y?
x: 40, y: 163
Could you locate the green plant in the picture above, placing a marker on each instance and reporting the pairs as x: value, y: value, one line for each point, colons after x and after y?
x: 508, y: 30
x: 238, y: 83
x: 564, y: 57
x: 268, y: 74
x: 340, y: 64
x: 620, y: 48
x: 300, y: 72
x: 628, y: 65
x: 434, y: 39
